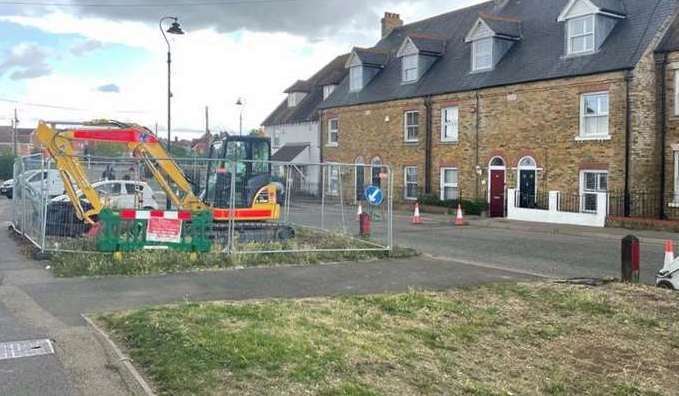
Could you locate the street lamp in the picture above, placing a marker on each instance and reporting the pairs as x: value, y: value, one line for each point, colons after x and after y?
x: 175, y: 28
x: 240, y: 103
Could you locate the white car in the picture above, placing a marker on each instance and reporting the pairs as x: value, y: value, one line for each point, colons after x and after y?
x: 121, y: 194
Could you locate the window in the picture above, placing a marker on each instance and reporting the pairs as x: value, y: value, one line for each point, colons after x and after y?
x: 594, y: 115
x: 409, y: 65
x: 292, y: 100
x: 410, y: 182
x: 449, y: 124
x: 581, y: 35
x: 333, y: 132
x: 356, y: 78
x: 592, y: 182
x: 449, y: 186
x: 328, y: 90
x: 333, y: 180
x: 482, y: 54
x: 412, y: 125
x: 276, y: 138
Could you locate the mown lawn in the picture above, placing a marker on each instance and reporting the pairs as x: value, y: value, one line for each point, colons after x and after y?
x: 503, y: 339
x: 312, y: 247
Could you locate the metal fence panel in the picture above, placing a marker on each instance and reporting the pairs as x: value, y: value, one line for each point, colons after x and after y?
x: 318, y: 203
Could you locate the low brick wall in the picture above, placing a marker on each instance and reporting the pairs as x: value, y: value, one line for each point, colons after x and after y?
x: 636, y: 223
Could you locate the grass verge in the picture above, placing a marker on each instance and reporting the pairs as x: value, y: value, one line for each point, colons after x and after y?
x: 495, y: 340
x: 154, y: 262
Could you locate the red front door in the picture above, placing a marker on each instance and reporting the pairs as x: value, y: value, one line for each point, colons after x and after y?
x: 497, y: 193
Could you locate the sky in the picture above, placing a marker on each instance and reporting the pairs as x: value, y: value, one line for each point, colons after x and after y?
x: 78, y: 60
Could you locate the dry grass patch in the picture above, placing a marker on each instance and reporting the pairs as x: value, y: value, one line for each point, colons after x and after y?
x: 502, y: 339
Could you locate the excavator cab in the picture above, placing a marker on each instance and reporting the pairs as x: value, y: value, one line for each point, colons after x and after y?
x: 251, y: 155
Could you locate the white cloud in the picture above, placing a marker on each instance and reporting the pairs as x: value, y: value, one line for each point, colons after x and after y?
x: 209, y: 68
x: 25, y: 61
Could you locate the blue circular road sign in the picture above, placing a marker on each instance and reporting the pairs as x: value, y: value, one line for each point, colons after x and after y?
x: 374, y: 195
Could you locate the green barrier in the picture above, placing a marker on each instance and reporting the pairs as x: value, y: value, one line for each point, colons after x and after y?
x: 118, y: 235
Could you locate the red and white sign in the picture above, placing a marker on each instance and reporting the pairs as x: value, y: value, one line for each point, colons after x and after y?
x: 164, y: 230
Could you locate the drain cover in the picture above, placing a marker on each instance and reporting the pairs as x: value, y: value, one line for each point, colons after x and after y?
x: 21, y: 349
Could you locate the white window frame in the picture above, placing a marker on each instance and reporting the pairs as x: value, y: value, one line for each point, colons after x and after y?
x: 583, y: 134
x: 276, y: 138
x: 407, y: 126
x: 570, y: 36
x: 475, y: 54
x: 328, y: 90
x: 406, y: 183
x: 292, y: 99
x: 410, y: 71
x: 584, y: 191
x: 333, y: 133
x: 444, y: 185
x: 356, y: 78
x: 450, y: 126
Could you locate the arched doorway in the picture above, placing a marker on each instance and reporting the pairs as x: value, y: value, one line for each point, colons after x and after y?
x: 497, y: 172
x: 527, y: 172
x: 359, y: 179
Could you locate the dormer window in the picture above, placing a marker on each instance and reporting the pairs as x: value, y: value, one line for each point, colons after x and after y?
x: 491, y: 37
x: 356, y: 78
x: 588, y: 24
x: 482, y: 54
x: 364, y: 65
x: 328, y: 90
x: 581, y: 35
x: 418, y: 53
x: 409, y: 65
x: 297, y: 92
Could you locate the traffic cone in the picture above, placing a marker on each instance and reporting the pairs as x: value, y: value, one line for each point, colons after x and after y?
x: 459, y: 219
x: 417, y: 219
x: 360, y: 211
x: 669, y: 255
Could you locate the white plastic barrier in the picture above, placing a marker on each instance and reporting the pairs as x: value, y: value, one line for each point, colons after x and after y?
x: 553, y: 215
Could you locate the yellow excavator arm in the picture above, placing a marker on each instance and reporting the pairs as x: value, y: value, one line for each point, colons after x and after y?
x: 141, y: 142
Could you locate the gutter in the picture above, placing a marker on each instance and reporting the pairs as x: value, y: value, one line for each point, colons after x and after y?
x: 628, y: 138
x: 428, y: 145
x: 663, y: 132
x: 476, y: 148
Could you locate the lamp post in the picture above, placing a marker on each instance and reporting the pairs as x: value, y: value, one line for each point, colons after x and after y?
x: 240, y: 103
x: 175, y: 28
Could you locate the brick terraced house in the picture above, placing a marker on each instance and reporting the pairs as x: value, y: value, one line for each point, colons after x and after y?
x: 534, y: 95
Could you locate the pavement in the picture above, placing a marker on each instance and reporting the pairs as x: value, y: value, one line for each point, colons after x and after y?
x: 34, y: 304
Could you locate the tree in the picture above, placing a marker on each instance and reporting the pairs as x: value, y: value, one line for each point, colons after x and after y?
x: 6, y: 164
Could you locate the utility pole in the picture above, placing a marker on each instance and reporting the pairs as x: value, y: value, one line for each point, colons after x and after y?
x: 207, y: 120
x: 15, y: 121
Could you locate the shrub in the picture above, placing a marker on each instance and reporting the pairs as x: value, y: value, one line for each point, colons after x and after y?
x: 471, y: 207
x: 6, y: 165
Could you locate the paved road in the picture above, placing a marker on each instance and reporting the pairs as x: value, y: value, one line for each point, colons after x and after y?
x: 554, y: 251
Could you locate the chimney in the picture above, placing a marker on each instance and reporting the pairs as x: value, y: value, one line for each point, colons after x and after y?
x: 390, y: 22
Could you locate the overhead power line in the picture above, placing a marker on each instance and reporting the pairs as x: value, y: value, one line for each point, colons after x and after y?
x: 57, y: 107
x: 145, y: 4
